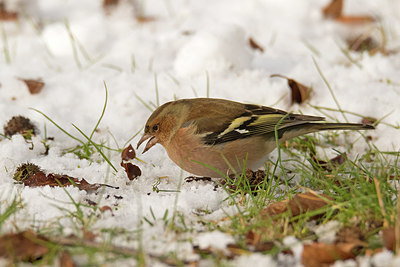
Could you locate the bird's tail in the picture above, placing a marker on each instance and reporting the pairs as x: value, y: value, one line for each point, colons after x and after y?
x: 340, y: 126
x: 289, y: 132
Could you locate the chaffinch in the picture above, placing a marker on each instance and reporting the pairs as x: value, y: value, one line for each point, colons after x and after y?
x: 214, y: 137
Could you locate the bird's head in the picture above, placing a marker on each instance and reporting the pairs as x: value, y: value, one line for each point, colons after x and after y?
x: 163, y: 124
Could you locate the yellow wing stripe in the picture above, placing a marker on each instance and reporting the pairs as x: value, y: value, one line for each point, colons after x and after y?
x: 234, y: 124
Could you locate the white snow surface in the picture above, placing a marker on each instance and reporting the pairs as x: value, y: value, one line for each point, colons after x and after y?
x: 187, y: 42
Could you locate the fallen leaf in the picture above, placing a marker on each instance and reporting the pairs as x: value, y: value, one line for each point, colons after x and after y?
x: 34, y: 86
x: 24, y: 171
x: 368, y: 120
x: 252, y: 179
x: 91, y: 202
x: 105, y: 208
x: 321, y: 254
x: 332, y: 163
x: 333, y: 9
x: 236, y: 250
x: 88, y: 235
x: 145, y: 19
x: 56, y: 180
x: 23, y: 246
x: 131, y: 170
x: 21, y: 125
x: 108, y: 3
x: 301, y: 203
x: 128, y: 153
x: 355, y: 20
x: 299, y: 91
x: 371, y: 252
x: 363, y: 43
x: 389, y: 238
x: 349, y: 234
x: 252, y: 238
x: 66, y: 260
x: 7, y: 15
x: 255, y: 45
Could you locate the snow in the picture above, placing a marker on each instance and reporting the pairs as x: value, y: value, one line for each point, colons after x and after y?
x: 187, y: 41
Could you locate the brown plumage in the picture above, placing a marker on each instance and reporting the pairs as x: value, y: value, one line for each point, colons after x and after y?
x: 210, y: 137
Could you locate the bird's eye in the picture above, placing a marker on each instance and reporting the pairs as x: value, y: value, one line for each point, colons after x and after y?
x: 147, y: 128
x: 155, y: 127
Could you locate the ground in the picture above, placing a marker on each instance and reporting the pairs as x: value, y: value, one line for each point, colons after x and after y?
x: 144, y: 53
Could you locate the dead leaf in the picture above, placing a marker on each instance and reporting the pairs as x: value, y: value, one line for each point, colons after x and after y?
x: 321, y: 254
x: 34, y: 86
x: 131, y: 170
x: 368, y: 120
x: 20, y: 125
x: 7, y: 15
x: 255, y: 45
x: 333, y: 9
x: 56, y: 180
x: 252, y: 238
x: 128, y: 153
x: 105, y: 208
x: 299, y: 91
x: 389, y: 238
x: 349, y: 234
x: 66, y: 260
x: 91, y: 202
x: 332, y: 163
x: 371, y: 252
x: 145, y: 19
x: 363, y: 43
x: 236, y: 250
x: 108, y: 3
x: 23, y: 246
x: 300, y: 204
x: 355, y: 20
x: 254, y: 179
x: 88, y: 235
x: 24, y: 171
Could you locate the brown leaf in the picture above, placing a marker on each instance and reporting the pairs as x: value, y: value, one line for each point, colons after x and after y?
x: 252, y: 238
x: 255, y: 45
x: 363, y: 43
x: 66, y: 260
x: 128, y: 153
x: 24, y: 171
x: 321, y: 254
x: 253, y: 179
x: 368, y: 120
x: 332, y: 163
x: 21, y: 125
x: 333, y: 9
x: 131, y: 170
x: 54, y: 180
x: 299, y: 91
x: 23, y: 246
x: 300, y: 204
x: 108, y: 3
x: 88, y: 235
x: 7, y: 15
x: 355, y: 20
x: 105, y: 208
x: 389, y: 238
x: 236, y: 250
x: 145, y: 19
x: 34, y: 86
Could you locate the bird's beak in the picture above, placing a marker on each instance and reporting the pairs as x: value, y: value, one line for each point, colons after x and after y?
x: 153, y: 140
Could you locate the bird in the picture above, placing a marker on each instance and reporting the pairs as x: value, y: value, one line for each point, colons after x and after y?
x: 214, y: 137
